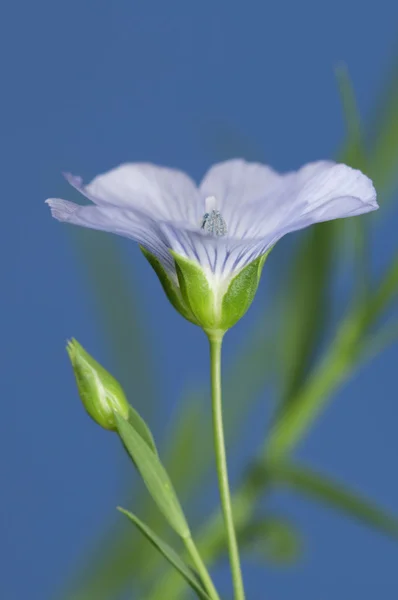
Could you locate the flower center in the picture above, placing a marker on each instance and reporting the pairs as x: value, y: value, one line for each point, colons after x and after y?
x: 213, y: 221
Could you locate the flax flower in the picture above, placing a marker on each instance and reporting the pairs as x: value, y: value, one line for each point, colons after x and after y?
x: 233, y: 218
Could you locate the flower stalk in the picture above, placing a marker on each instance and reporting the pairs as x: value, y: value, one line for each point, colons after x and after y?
x: 215, y: 341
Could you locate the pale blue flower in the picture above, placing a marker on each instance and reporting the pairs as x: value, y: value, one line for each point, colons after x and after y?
x: 238, y: 212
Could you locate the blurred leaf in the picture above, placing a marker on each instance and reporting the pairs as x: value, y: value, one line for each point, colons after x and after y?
x: 333, y: 494
x: 342, y: 355
x: 296, y: 419
x: 310, y: 272
x: 383, y: 153
x: 139, y: 425
x: 386, y: 292
x: 307, y: 282
x: 168, y: 553
x: 375, y: 343
x: 271, y: 539
x: 354, y: 153
x: 154, y: 475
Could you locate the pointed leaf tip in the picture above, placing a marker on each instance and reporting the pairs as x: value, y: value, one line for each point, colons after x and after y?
x: 154, y: 476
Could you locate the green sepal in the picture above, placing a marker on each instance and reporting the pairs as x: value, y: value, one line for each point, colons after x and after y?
x: 196, y: 291
x: 171, y: 290
x: 240, y: 293
x: 101, y: 394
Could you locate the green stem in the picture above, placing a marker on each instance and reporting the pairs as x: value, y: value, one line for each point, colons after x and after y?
x: 201, y: 568
x: 221, y: 462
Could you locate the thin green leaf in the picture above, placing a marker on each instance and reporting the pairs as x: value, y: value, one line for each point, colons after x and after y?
x: 335, y: 495
x: 154, y: 475
x: 210, y: 540
x: 138, y: 423
x: 271, y: 539
x: 296, y: 419
x: 383, y: 153
x: 302, y: 321
x: 377, y: 342
x: 343, y: 354
x: 386, y: 292
x: 354, y: 153
x: 169, y: 554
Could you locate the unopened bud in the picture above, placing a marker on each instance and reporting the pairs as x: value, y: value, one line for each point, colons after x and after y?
x: 99, y: 391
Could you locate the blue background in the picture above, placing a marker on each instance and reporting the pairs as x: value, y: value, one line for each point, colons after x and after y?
x: 87, y: 85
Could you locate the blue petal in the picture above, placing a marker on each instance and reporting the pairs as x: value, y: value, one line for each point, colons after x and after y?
x: 163, y: 193
x: 127, y: 223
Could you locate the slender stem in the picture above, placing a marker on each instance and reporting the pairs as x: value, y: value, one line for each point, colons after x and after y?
x: 201, y: 568
x: 221, y: 462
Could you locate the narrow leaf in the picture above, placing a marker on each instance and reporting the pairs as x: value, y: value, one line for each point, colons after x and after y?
x: 293, y: 422
x: 211, y: 542
x: 335, y: 495
x: 141, y: 428
x: 168, y: 553
x: 383, y: 154
x: 343, y: 354
x: 386, y: 291
x: 154, y: 475
x: 302, y: 322
x: 377, y: 342
x: 353, y: 153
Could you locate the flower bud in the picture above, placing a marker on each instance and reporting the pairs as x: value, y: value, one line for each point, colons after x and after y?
x: 99, y: 391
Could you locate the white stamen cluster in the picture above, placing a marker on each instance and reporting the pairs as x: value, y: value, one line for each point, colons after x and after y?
x: 213, y: 221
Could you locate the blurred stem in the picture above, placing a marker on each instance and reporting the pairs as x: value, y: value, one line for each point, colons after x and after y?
x: 221, y: 463
x: 201, y: 568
